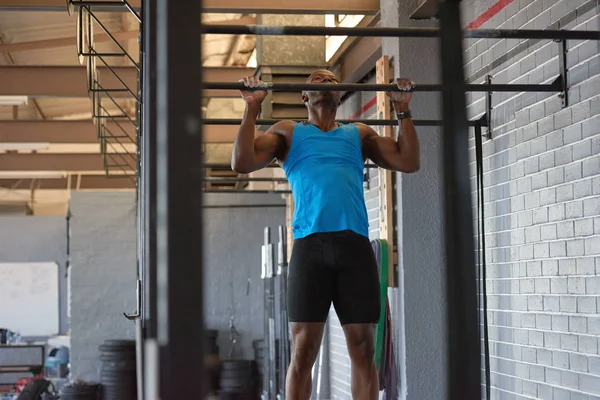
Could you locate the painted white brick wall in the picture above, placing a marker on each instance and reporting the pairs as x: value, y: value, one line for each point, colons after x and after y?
x: 542, y: 194
x: 103, y: 275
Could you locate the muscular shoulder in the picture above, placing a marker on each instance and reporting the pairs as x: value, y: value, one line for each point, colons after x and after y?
x: 280, y: 137
x: 284, y: 128
x: 365, y: 131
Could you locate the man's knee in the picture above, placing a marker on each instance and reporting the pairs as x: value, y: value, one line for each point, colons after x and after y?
x: 360, y: 341
x: 304, y: 355
x: 306, y: 338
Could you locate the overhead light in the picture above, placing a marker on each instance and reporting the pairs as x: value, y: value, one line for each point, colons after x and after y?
x: 252, y: 63
x: 32, y: 174
x: 24, y: 146
x: 13, y: 100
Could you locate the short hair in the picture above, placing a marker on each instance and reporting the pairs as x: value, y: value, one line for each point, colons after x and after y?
x: 319, y: 71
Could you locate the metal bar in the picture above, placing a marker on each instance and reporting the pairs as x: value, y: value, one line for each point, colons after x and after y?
x: 245, y: 191
x: 99, y: 3
x: 488, y: 111
x: 371, y: 122
x: 245, y: 206
x: 125, y: 88
x: 149, y: 177
x: 132, y: 11
x: 110, y: 35
x: 179, y: 222
x: 373, y: 87
x: 563, y: 78
x: 464, y: 351
x: 361, y: 7
x: 225, y: 179
x: 397, y: 32
x: 228, y: 166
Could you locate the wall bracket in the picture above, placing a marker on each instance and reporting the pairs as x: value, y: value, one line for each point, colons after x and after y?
x: 486, y: 119
x: 562, y: 82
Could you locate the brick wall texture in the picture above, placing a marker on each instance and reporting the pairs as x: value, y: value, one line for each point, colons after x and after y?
x: 103, y: 275
x: 542, y: 205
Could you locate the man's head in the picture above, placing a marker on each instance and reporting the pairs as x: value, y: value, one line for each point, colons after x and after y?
x: 327, y: 98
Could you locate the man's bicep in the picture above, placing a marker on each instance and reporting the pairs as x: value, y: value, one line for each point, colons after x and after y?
x: 266, y: 148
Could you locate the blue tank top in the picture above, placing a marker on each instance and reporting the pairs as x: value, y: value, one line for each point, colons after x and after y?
x: 325, y: 172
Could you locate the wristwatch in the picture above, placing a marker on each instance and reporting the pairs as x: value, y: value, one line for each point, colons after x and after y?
x: 404, y: 114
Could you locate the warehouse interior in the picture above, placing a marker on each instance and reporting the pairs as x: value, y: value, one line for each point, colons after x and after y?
x: 70, y: 277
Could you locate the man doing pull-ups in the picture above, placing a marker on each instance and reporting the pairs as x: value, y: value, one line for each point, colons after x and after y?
x: 332, y: 259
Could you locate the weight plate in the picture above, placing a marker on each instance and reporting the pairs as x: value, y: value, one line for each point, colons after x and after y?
x: 239, y: 374
x: 237, y: 364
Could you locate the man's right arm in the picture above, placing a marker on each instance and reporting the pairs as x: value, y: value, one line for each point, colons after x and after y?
x: 250, y: 154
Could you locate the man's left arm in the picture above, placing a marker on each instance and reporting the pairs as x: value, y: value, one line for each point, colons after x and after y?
x: 398, y: 155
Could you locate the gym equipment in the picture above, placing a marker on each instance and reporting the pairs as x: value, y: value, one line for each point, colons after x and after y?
x: 284, y: 330
x: 35, y: 389
x: 381, y: 255
x: 212, y: 362
x: 80, y: 391
x: 118, y: 374
x: 239, y: 380
x: 267, y: 275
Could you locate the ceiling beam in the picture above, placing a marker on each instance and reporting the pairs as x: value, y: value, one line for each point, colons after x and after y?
x: 63, y: 162
x: 63, y: 42
x: 71, y: 81
x: 55, y: 131
x: 76, y: 182
x: 101, y: 37
x: 84, y: 131
x: 367, y: 7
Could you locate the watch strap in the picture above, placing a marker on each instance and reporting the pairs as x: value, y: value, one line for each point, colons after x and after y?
x: 403, y: 114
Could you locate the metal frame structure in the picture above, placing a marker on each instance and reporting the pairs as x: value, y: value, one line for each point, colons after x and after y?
x: 114, y: 137
x: 174, y: 205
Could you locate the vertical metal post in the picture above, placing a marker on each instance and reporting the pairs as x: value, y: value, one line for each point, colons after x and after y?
x: 284, y: 333
x: 488, y: 110
x: 563, y: 77
x: 179, y: 169
x: 148, y: 165
x: 268, y: 275
x: 464, y: 346
x: 265, y: 395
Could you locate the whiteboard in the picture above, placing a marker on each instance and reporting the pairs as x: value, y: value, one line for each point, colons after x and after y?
x: 29, y: 298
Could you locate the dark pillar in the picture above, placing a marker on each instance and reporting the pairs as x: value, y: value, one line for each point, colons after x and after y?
x: 179, y: 167
x: 464, y: 351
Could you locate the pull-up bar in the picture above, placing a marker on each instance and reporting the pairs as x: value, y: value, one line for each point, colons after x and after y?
x: 398, y: 32
x: 373, y: 87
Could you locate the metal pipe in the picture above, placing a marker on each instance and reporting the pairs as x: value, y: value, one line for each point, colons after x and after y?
x: 245, y: 191
x: 370, y: 122
x: 373, y: 87
x: 367, y: 31
x: 463, y: 356
x: 228, y: 167
x: 226, y: 179
x: 244, y: 206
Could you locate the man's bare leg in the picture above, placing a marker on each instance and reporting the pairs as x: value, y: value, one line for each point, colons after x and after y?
x: 306, y: 340
x: 361, y: 348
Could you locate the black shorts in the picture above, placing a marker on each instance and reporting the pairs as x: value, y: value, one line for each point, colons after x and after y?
x: 338, y: 267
